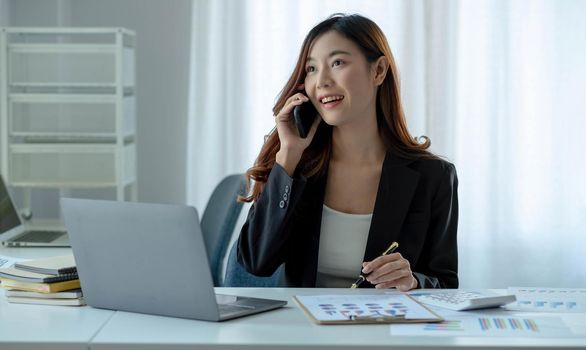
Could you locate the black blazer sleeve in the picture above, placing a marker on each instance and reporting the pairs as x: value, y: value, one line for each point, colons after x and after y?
x: 440, y: 269
x: 266, y: 233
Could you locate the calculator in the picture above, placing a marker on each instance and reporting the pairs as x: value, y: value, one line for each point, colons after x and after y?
x: 466, y: 300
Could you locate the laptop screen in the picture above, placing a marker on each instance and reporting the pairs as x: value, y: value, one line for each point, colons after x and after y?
x: 8, y: 216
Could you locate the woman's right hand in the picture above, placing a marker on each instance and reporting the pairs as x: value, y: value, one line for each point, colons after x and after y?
x: 292, y: 146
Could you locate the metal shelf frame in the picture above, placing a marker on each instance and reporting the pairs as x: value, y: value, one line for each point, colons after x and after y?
x: 116, y: 47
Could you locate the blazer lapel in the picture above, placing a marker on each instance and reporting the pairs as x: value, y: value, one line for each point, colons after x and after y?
x: 395, y: 191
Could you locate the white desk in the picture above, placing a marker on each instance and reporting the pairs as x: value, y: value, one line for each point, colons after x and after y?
x: 56, y: 327
x: 47, y: 327
x: 286, y: 328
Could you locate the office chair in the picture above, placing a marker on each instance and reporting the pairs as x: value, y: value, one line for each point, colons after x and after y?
x: 237, y: 276
x: 219, y: 219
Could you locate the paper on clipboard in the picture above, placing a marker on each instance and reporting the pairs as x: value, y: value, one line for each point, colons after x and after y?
x: 352, y: 308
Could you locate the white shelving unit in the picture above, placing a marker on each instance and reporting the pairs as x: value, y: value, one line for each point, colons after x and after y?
x: 67, y: 108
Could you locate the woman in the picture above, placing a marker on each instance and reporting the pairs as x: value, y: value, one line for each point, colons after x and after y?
x: 329, y: 204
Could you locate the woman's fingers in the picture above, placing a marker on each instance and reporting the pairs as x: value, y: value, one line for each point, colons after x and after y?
x: 388, y: 268
x: 392, y: 276
x: 403, y: 284
x: 375, y: 264
x: 390, y: 271
x: 295, y: 100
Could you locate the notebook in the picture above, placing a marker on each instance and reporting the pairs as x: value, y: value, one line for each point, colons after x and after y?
x: 158, y: 264
x: 28, y: 276
x: 13, y: 232
x: 52, y: 287
x: 46, y: 301
x: 53, y: 265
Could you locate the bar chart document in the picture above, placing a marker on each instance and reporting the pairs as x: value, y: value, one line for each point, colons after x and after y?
x: 548, y: 299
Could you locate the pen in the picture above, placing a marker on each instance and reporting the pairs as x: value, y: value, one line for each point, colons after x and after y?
x: 362, y: 276
x: 376, y: 318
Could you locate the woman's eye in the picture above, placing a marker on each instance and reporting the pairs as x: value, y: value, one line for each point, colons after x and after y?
x: 309, y: 69
x: 337, y: 63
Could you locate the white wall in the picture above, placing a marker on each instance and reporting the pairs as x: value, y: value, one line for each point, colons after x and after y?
x: 163, y: 36
x: 39, y: 13
x: 4, y: 12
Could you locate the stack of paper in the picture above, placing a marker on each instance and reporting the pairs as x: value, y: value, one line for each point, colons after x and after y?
x: 72, y: 297
x: 51, y: 281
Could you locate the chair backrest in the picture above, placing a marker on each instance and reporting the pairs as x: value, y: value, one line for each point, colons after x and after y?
x: 237, y: 276
x: 219, y: 219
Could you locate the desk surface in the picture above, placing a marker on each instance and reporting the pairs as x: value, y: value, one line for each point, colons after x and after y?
x: 47, y: 327
x: 286, y: 328
x: 55, y: 327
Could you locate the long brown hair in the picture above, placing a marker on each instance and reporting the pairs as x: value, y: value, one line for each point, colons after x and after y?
x: 391, y: 121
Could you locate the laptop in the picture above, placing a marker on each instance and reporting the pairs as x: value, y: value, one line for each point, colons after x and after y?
x: 13, y: 232
x: 148, y: 258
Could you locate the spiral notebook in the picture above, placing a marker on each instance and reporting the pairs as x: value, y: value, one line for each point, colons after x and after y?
x: 54, y: 265
x: 35, y: 277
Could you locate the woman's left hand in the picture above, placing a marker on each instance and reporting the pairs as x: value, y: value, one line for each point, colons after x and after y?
x: 390, y: 271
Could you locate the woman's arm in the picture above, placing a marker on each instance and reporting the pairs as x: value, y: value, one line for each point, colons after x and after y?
x: 262, y: 242
x: 263, y: 238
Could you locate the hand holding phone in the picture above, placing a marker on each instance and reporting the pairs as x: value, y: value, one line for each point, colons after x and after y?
x: 304, y: 115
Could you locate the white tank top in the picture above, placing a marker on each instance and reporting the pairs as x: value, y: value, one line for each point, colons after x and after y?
x: 342, y: 244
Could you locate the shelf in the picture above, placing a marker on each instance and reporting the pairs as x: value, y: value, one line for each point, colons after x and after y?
x: 69, y: 165
x: 68, y: 108
x: 71, y: 65
x: 62, y: 48
x: 69, y: 115
x: 63, y: 84
x: 72, y: 88
x: 67, y: 30
x: 45, y: 137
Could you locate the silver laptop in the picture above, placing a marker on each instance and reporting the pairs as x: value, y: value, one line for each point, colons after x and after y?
x: 148, y: 258
x: 13, y: 232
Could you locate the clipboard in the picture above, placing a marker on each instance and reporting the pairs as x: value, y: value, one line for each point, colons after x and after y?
x: 364, y: 309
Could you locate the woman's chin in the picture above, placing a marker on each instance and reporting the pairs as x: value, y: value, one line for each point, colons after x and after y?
x: 337, y: 122
x: 333, y: 121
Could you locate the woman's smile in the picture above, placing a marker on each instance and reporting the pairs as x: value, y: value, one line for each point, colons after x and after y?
x: 330, y: 101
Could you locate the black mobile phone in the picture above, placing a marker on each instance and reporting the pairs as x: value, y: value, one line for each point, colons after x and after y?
x: 304, y: 115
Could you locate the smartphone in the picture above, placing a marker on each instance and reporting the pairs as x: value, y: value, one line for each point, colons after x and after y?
x: 304, y: 115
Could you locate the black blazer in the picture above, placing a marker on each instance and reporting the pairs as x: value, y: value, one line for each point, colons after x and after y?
x: 416, y: 205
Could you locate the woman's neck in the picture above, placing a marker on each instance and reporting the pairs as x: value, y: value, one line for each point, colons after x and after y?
x: 358, y: 143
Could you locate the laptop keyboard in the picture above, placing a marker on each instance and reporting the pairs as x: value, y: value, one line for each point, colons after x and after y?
x: 231, y: 308
x: 40, y: 236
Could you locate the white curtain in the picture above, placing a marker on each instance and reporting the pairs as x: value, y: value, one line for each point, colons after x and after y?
x: 517, y: 116
x: 497, y: 85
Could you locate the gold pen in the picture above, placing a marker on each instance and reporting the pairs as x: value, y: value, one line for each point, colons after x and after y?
x: 362, y: 276
x: 376, y: 318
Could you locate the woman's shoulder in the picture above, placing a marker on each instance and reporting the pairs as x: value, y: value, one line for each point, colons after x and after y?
x: 433, y: 163
x: 434, y: 167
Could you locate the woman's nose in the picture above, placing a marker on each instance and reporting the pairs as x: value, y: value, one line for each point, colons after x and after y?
x: 323, y: 80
